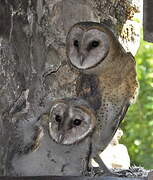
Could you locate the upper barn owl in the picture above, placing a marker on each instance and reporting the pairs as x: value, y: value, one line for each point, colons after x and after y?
x: 107, y: 77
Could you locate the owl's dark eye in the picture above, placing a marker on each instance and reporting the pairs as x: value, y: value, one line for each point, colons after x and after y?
x: 77, y: 122
x: 58, y: 118
x: 95, y: 44
x: 76, y: 43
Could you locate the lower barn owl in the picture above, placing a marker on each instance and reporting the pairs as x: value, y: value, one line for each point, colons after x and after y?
x: 107, y: 77
x: 71, y: 120
x: 71, y: 123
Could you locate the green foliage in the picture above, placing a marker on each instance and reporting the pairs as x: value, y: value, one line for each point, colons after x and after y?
x: 138, y: 123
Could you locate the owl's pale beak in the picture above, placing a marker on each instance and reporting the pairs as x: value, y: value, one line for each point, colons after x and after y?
x: 82, y: 58
x: 60, y: 138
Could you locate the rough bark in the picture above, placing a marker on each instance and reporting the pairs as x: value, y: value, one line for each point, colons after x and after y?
x: 33, y: 72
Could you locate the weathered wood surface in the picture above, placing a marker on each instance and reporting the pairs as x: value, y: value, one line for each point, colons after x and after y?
x: 33, y: 72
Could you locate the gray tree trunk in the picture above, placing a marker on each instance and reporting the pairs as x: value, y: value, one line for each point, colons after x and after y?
x: 33, y: 73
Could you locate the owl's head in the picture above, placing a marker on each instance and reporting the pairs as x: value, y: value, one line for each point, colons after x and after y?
x: 89, y: 44
x: 71, y: 120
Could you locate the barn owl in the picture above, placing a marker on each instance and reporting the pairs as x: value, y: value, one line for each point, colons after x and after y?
x: 71, y: 120
x: 107, y: 77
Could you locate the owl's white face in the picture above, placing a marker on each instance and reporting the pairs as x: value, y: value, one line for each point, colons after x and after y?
x: 69, y: 123
x: 86, y: 48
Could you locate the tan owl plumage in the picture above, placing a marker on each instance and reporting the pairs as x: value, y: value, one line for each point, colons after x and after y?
x: 107, y: 77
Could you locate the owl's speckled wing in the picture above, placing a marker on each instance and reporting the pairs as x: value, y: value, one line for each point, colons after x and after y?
x: 107, y: 127
x: 110, y: 95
